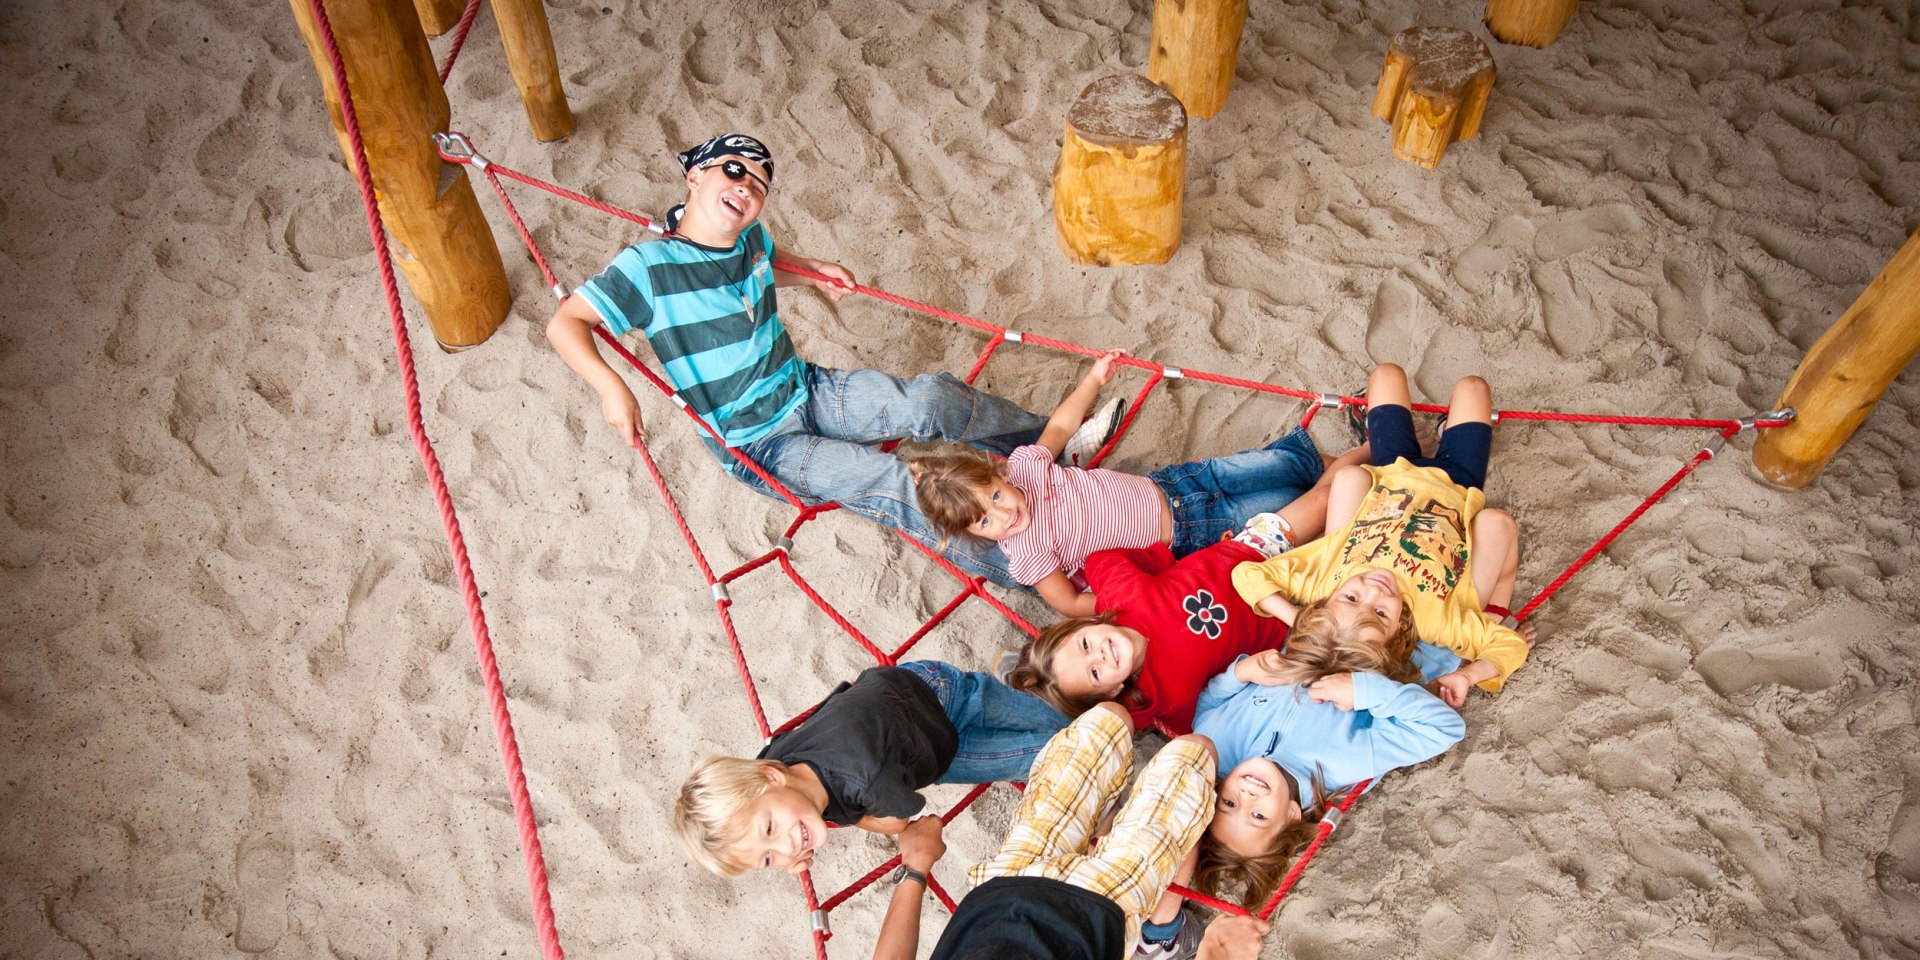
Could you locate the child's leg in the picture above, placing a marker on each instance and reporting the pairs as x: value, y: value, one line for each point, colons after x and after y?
x: 1390, y: 433
x: 1082, y: 768
x: 1307, y: 515
x: 1468, y: 442
x: 867, y: 406
x: 1495, y: 563
x: 1213, y: 497
x: 1170, y: 806
x: 1001, y: 729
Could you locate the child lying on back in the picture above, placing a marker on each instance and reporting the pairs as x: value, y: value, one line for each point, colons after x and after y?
x: 1410, y: 547
x: 859, y: 760
x: 1048, y: 519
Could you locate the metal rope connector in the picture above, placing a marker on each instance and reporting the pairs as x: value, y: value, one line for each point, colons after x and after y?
x: 819, y: 920
x: 456, y: 148
x: 678, y: 400
x: 1329, y: 401
x: 559, y: 291
x: 1172, y: 373
x: 1332, y: 819
x: 784, y: 545
x: 720, y: 594
x: 1011, y: 336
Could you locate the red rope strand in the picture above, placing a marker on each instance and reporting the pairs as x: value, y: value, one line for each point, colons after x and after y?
x: 523, y: 816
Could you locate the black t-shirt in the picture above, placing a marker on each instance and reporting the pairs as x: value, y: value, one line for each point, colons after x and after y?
x: 1033, y: 917
x: 874, y: 743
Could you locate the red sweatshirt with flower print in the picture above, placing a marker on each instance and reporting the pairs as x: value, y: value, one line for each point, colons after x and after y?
x: 1194, y: 621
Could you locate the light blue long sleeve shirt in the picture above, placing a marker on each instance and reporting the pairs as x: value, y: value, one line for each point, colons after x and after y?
x: 1391, y: 725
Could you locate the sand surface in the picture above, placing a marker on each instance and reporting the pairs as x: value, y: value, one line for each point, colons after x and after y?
x: 240, y: 703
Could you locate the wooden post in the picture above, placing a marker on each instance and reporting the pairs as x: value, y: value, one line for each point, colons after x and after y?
x: 1195, y: 46
x: 1535, y: 23
x: 443, y: 244
x: 536, y: 71
x: 1845, y: 373
x: 438, y: 16
x: 1433, y: 90
x: 1117, y: 185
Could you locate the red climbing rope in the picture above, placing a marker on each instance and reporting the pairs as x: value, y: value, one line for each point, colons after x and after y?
x: 467, y: 16
x: 449, y: 520
x: 457, y: 148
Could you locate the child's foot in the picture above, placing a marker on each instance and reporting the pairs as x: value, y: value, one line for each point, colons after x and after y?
x: 1093, y: 434
x: 1268, y: 533
x: 1356, y: 417
x: 1005, y: 661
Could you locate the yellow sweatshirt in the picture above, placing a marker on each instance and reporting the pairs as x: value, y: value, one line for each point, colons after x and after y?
x: 1413, y: 524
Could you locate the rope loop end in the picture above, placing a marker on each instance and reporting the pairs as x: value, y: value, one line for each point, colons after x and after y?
x: 454, y: 147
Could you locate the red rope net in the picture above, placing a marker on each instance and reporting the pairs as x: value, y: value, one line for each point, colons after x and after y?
x: 457, y: 149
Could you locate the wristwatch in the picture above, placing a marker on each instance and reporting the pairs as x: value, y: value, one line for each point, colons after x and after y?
x: 908, y: 873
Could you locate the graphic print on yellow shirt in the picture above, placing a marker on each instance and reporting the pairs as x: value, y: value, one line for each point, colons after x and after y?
x: 1427, y: 542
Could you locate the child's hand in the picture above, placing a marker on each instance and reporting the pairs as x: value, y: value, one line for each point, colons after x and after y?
x: 1262, y: 668
x: 622, y: 413
x: 1102, y: 372
x: 1452, y: 688
x: 842, y: 275
x: 1232, y: 938
x: 920, y: 844
x: 1336, y: 689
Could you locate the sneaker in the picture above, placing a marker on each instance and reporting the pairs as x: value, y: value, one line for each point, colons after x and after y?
x: 1185, y: 944
x: 1267, y: 533
x: 1005, y: 661
x: 1093, y: 434
x: 1356, y: 417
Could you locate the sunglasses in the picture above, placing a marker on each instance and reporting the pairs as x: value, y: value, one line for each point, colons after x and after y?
x: 737, y: 171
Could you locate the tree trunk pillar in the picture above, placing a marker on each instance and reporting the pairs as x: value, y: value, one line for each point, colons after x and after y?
x: 442, y: 243
x: 1196, y: 44
x: 438, y: 16
x: 1845, y: 373
x: 536, y: 70
x: 1434, y: 90
x: 1123, y: 162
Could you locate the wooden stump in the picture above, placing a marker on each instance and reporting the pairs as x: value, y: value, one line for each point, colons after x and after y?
x: 1534, y: 23
x: 1844, y: 374
x: 442, y: 243
x: 528, y: 42
x: 1117, y: 185
x: 1195, y: 46
x: 1434, y: 90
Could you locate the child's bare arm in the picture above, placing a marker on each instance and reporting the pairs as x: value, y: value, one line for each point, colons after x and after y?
x: 887, y: 825
x: 570, y: 330
x: 1067, y: 416
x: 920, y: 848
x: 1275, y: 605
x: 1060, y: 594
x: 1453, y: 687
x: 834, y: 291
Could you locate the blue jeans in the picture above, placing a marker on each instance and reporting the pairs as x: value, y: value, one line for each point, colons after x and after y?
x: 822, y: 450
x: 1216, y: 496
x: 1001, y: 729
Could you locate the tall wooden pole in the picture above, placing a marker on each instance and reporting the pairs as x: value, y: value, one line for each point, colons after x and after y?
x: 438, y: 16
x: 536, y: 71
x: 1845, y: 373
x: 444, y: 245
x: 1196, y: 44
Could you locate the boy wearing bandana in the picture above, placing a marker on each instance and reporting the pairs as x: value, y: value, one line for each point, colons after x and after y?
x: 705, y: 299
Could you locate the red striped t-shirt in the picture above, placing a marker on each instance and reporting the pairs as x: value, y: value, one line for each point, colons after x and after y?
x: 1075, y: 513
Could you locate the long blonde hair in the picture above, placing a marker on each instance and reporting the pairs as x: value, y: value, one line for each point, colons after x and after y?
x: 1320, y: 646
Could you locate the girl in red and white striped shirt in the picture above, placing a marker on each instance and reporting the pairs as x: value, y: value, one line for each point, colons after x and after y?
x: 1048, y: 519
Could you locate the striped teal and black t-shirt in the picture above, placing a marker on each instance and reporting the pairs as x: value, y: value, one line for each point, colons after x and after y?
x: 713, y: 320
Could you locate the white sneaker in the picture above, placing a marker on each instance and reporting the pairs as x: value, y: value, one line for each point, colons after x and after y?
x: 1267, y: 533
x: 1093, y: 434
x: 1005, y: 661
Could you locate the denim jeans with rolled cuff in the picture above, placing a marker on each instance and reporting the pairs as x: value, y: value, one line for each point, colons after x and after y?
x: 824, y: 451
x: 1214, y: 498
x: 1001, y: 729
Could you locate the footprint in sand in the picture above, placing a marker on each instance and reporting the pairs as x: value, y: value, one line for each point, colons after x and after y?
x: 1735, y: 669
x: 1476, y: 266
x: 1566, y: 311
x: 262, y: 873
x: 1395, y: 330
x: 1571, y: 234
x: 1681, y: 304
